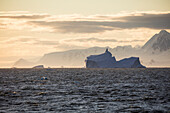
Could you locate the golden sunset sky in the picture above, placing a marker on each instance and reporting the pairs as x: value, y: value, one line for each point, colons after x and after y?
x: 32, y: 28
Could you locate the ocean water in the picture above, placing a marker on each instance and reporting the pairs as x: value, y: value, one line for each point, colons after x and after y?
x: 84, y: 90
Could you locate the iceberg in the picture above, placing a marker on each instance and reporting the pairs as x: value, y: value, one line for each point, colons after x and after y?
x: 106, y: 60
x: 38, y: 67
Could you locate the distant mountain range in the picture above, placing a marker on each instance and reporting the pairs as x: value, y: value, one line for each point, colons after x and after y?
x: 154, y: 53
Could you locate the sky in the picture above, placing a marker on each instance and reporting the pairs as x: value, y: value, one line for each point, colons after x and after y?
x: 31, y: 28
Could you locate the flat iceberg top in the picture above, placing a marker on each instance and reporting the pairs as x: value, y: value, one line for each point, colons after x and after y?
x: 132, y: 62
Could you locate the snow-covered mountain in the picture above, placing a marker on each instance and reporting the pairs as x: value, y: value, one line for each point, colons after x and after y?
x: 71, y: 58
x: 155, y: 52
x: 159, y: 42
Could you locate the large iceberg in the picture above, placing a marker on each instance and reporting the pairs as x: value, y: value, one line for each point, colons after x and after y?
x: 106, y: 60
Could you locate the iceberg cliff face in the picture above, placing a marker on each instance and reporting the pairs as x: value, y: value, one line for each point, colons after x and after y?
x: 132, y: 62
x: 106, y: 60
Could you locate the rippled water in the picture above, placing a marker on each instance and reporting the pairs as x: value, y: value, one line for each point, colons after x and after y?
x: 85, y: 90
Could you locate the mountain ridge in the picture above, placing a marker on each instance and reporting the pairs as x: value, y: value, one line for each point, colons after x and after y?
x: 158, y: 45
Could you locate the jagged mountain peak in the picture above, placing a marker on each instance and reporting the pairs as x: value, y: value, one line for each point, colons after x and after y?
x: 163, y: 32
x: 160, y: 41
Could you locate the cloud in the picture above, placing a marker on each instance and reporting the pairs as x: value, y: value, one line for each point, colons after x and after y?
x: 45, y: 42
x: 102, y: 40
x: 13, y: 12
x: 73, y: 26
x: 153, y: 21
x: 24, y: 16
x: 29, y: 40
x: 85, y: 24
x: 17, y: 40
x: 68, y: 47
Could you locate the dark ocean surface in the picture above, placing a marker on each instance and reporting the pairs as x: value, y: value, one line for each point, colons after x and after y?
x: 85, y: 90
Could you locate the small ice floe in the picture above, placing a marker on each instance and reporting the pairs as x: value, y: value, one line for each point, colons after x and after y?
x: 41, y: 93
x: 49, y: 69
x: 38, y: 67
x: 44, y: 78
x: 14, y: 93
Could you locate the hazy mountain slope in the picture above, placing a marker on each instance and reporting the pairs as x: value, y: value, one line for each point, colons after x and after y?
x: 158, y: 59
x: 23, y: 63
x: 121, y: 52
x: 69, y: 58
